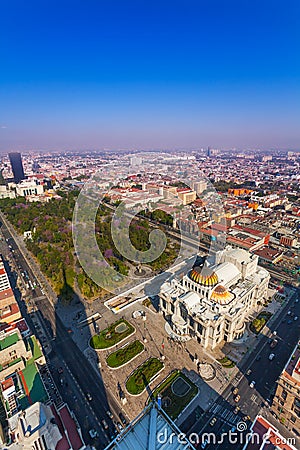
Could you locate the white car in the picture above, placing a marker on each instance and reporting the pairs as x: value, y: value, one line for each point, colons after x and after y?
x: 271, y: 356
x: 252, y: 384
x: 93, y: 433
x: 296, y: 318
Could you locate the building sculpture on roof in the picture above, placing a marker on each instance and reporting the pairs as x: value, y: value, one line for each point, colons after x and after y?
x: 213, y: 301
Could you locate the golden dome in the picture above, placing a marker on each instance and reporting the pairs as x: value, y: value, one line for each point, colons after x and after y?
x: 204, y: 275
x: 221, y: 295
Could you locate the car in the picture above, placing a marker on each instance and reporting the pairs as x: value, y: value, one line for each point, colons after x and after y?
x: 109, y: 414
x: 89, y: 397
x: 93, y: 433
x: 104, y: 423
x: 233, y: 429
x: 60, y: 370
x: 248, y: 372
x: 258, y: 358
x: 252, y: 384
x: 289, y: 322
x: 274, y: 333
x: 235, y: 391
x: 289, y: 313
x: 237, y: 398
x: 213, y: 421
x: 296, y: 318
x: 271, y: 356
x: 122, y: 418
x: 119, y: 426
x: 236, y: 409
x: 274, y: 343
x: 245, y: 418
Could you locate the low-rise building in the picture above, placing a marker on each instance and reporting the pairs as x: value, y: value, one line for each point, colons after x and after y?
x: 13, y: 352
x: 264, y: 436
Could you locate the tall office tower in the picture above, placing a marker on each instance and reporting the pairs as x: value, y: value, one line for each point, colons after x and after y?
x: 17, y: 166
x: 212, y: 152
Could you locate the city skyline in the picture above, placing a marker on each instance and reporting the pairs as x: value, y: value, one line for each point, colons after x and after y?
x: 132, y: 76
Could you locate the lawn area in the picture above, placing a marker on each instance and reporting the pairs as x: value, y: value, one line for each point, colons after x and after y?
x: 112, y: 335
x: 227, y: 362
x: 176, y: 392
x: 124, y: 354
x: 142, y: 376
x: 260, y: 321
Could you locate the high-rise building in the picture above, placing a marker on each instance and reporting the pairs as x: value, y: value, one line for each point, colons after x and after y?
x: 212, y: 152
x: 17, y: 166
x: 153, y: 429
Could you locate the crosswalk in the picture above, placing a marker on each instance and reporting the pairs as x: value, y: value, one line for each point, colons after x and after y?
x: 236, y: 381
x: 225, y: 414
x: 253, y: 398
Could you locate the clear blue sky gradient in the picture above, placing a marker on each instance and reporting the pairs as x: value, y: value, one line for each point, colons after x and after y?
x: 149, y: 74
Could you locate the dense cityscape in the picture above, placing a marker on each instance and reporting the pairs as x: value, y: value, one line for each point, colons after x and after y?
x: 85, y: 361
x: 150, y: 225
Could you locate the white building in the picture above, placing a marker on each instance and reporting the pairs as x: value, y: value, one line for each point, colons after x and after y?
x: 136, y: 161
x: 29, y: 187
x: 44, y: 427
x: 213, y: 301
x: 5, y: 192
x: 34, y: 428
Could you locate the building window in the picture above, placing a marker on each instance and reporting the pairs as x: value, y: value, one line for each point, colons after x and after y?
x: 284, y: 394
x: 297, y: 411
x: 293, y: 419
x: 297, y: 403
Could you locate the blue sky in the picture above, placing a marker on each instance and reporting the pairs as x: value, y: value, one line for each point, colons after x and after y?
x: 149, y: 74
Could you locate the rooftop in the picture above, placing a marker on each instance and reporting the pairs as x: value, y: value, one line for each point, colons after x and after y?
x: 151, y: 430
x: 8, y: 341
x: 32, y: 386
x: 266, y: 437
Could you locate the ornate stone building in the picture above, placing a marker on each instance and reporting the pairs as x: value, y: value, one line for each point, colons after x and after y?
x: 213, y: 301
x: 286, y: 402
